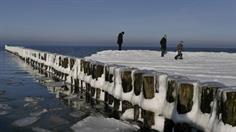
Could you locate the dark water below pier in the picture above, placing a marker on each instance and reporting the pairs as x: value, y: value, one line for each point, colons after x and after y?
x: 22, y: 96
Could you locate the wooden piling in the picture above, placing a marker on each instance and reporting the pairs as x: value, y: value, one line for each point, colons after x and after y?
x: 185, y: 96
x: 72, y: 62
x: 65, y: 62
x: 76, y: 87
x: 126, y: 105
x: 138, y: 83
x: 148, y: 118
x: 126, y: 80
x: 171, y: 95
x: 108, y: 74
x: 99, y: 70
x: 229, y: 107
x: 208, y: 93
x: 92, y: 68
x: 136, y: 112
x: 148, y: 86
x: 116, y: 112
x: 88, y: 93
x: 98, y: 93
x: 81, y: 65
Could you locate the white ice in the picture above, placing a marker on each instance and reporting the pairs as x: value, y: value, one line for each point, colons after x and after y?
x: 101, y: 124
x: 38, y: 129
x: 203, y: 66
x: 25, y: 121
x: 38, y: 113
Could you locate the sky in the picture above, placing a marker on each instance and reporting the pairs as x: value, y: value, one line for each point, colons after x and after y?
x: 199, y: 23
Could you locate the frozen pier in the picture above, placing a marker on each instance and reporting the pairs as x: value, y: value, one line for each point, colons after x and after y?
x: 154, y: 99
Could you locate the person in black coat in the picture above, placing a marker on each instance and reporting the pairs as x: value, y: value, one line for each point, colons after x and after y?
x: 120, y: 39
x: 163, y: 45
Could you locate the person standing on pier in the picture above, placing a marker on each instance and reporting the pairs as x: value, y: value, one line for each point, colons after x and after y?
x: 120, y: 39
x: 179, y: 49
x: 163, y: 45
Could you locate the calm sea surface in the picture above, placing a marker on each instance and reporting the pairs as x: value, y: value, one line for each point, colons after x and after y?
x: 82, y: 51
x: 18, y: 83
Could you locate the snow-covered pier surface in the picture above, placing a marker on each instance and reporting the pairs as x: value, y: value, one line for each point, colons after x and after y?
x: 161, y: 93
x: 203, y: 66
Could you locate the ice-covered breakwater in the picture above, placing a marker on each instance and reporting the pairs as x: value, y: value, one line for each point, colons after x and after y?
x: 154, y: 99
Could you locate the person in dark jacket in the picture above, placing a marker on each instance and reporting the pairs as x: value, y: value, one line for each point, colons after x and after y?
x: 179, y: 49
x: 163, y: 45
x: 120, y: 39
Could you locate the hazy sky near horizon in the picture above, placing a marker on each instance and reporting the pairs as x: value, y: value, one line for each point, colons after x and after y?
x: 210, y: 23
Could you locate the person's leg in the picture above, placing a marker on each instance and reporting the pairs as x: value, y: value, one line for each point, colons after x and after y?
x: 176, y: 57
x: 162, y: 53
x: 181, y: 55
x: 119, y: 46
x: 165, y: 51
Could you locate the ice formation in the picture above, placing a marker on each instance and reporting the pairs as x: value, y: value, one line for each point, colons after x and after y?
x: 156, y: 92
x: 101, y: 124
x: 38, y: 129
x: 25, y: 121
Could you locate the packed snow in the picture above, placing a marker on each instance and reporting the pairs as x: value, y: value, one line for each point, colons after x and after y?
x: 203, y: 66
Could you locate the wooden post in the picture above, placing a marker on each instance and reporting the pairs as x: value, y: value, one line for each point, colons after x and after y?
x: 106, y: 102
x: 229, y: 107
x: 208, y: 93
x: 110, y: 99
x: 185, y: 96
x: 87, y: 93
x: 93, y: 91
x: 148, y: 86
x: 60, y: 61
x: 72, y: 62
x: 108, y: 74
x: 93, y: 70
x: 87, y: 67
x: 65, y: 62
x: 138, y: 83
x: 126, y: 105
x: 99, y: 70
x: 92, y: 94
x: 126, y: 80
x: 116, y: 112
x: 136, y: 112
x: 172, y: 87
x: 76, y: 90
x: 98, y: 93
x: 148, y: 118
x: 81, y: 65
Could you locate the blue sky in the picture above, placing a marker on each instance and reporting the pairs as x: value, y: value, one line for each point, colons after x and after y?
x: 209, y: 23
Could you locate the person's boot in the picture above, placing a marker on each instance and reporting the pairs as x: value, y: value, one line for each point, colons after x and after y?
x: 176, y: 57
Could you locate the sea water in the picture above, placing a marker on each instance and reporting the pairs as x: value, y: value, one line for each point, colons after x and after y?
x: 25, y: 104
